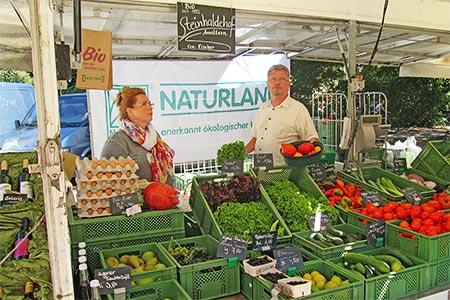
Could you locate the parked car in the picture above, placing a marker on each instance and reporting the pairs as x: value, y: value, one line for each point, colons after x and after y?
x: 16, y: 98
x: 75, y: 137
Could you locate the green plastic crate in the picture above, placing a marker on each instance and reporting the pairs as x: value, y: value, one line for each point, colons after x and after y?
x: 432, y: 159
x: 249, y: 286
x: 394, y: 285
x: 170, y: 272
x: 167, y: 289
x: 302, y: 238
x: 93, y: 249
x: 299, y: 176
x: 140, y: 225
x: 354, y: 290
x: 373, y: 173
x: 428, y: 248
x: 207, y: 221
x: 440, y: 273
x: 359, y: 220
x: 210, y: 279
x: 440, y: 183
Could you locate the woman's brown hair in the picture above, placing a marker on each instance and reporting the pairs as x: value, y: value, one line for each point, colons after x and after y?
x: 127, y: 98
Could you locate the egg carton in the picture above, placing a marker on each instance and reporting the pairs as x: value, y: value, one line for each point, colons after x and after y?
x: 91, y: 208
x: 108, y: 192
x: 95, y: 189
x: 106, y: 169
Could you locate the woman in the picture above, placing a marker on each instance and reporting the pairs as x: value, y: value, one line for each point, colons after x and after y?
x: 138, y: 138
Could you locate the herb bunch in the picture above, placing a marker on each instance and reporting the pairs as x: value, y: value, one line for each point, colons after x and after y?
x: 235, y: 150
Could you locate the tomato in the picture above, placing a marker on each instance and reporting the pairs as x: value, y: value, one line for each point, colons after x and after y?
x: 444, y: 200
x: 388, y: 216
x: 377, y: 214
x: 428, y: 208
x: 416, y: 212
x: 424, y: 215
x: 416, y: 224
x: 446, y: 226
x: 437, y: 216
x: 371, y: 208
x: 427, y: 222
x: 435, y: 204
x: 431, y: 231
x: 392, y: 204
x: 288, y: 149
x: 405, y: 224
x: 407, y: 205
x: 401, y: 213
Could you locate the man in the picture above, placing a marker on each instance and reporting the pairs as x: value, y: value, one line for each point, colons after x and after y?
x: 280, y: 120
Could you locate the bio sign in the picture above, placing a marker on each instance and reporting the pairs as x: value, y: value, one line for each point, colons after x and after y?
x: 205, y: 28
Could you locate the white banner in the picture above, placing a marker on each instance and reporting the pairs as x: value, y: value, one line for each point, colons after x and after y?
x: 199, y: 105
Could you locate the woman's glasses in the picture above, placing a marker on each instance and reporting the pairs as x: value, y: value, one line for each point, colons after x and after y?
x: 145, y: 104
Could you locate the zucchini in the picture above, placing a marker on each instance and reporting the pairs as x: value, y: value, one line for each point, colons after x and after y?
x: 406, y: 262
x: 355, y: 258
x: 360, y: 268
x: 358, y: 274
x: 393, y: 261
x: 334, y: 239
x: 369, y: 272
x: 335, y: 232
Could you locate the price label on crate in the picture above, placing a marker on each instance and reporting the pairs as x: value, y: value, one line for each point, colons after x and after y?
x: 413, y: 195
x: 231, y: 246
x: 233, y: 166
x: 373, y: 197
x: 9, y: 199
x: 399, y: 165
x: 318, y: 221
x: 113, y: 278
x: 318, y: 173
x: 263, y: 161
x: 375, y: 233
x: 264, y: 241
x: 120, y: 203
x: 287, y: 258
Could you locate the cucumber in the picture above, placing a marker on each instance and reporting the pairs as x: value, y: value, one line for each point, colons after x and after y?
x: 358, y: 274
x: 355, y: 258
x: 334, y: 239
x: 335, y: 232
x: 360, y: 268
x: 393, y: 261
x: 406, y: 262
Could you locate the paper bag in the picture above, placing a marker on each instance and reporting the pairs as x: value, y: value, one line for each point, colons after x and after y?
x: 96, y: 69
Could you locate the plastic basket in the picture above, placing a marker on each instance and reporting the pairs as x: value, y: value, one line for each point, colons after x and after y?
x: 395, y: 285
x: 205, y: 216
x: 167, y: 289
x: 302, y: 238
x: 303, y: 161
x: 93, y: 249
x: 170, y: 272
x: 354, y: 290
x: 432, y: 159
x: 440, y: 183
x: 428, y: 248
x: 140, y: 225
x: 210, y: 279
x: 373, y: 173
x: 440, y: 273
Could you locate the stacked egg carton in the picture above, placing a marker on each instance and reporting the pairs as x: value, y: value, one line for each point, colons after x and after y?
x: 100, y: 179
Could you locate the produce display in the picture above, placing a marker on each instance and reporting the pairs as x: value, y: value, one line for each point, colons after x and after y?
x: 295, y: 205
x: 390, y: 211
x: 321, y: 282
x: 189, y: 254
x: 334, y: 237
x: 368, y: 266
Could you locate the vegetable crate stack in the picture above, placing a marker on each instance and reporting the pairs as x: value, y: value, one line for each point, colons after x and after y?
x: 235, y: 206
x: 200, y: 272
x: 104, y: 231
x: 434, y: 159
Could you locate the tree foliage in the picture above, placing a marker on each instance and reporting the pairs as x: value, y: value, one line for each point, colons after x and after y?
x: 8, y: 75
x: 421, y: 102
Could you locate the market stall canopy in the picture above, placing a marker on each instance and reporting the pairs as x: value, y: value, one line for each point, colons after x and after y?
x: 415, y: 35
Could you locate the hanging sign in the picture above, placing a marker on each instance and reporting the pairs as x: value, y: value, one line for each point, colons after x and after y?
x: 204, y: 28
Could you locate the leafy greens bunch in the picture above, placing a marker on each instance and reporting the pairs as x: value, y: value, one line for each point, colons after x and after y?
x: 295, y: 205
x: 242, y: 189
x: 235, y: 150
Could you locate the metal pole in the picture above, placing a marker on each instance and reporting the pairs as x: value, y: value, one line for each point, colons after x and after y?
x: 49, y: 150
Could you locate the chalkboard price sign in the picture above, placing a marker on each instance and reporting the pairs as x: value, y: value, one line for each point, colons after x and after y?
x: 9, y: 199
x: 318, y: 173
x: 205, y: 28
x: 120, y: 203
x: 375, y: 232
x: 318, y: 221
x: 233, y: 166
x: 373, y: 197
x: 113, y: 278
x: 264, y: 241
x: 400, y: 165
x: 413, y: 195
x: 231, y: 246
x: 263, y: 161
x: 287, y: 258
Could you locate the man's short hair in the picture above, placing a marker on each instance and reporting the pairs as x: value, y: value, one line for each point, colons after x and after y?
x: 278, y: 67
